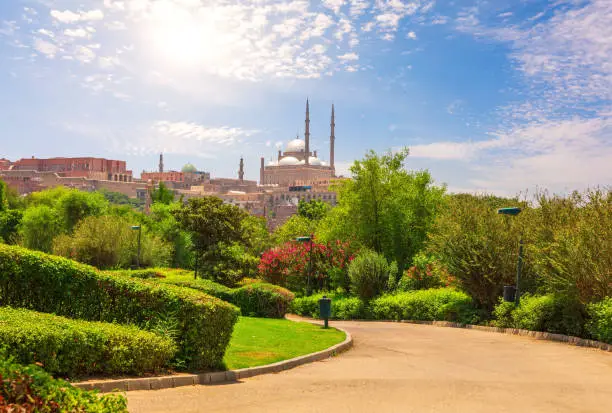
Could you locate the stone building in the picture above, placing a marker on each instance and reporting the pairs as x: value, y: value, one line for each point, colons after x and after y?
x: 86, y: 167
x: 298, y: 165
x: 187, y: 177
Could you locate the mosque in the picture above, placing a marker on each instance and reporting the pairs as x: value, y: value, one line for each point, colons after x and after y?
x: 298, y: 165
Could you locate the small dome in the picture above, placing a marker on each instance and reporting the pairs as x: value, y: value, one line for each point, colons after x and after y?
x: 289, y: 160
x: 189, y: 168
x: 296, y: 145
x: 314, y: 161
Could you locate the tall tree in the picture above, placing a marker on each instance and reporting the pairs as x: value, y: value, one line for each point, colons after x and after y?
x: 384, y: 207
x: 313, y: 209
x: 162, y: 194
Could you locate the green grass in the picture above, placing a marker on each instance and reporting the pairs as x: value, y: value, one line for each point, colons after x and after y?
x: 259, y: 341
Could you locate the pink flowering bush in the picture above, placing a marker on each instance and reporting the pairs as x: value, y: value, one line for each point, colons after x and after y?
x: 426, y: 273
x: 287, y: 265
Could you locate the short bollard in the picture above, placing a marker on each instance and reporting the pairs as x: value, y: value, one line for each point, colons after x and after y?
x: 509, y: 293
x: 325, y: 309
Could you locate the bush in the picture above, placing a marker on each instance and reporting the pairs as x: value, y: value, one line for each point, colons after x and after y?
x: 600, y: 324
x: 437, y: 304
x: 342, y: 308
x: 202, y: 324
x: 255, y: 298
x: 425, y: 273
x: 31, y: 389
x: 369, y: 273
x: 76, y: 347
x: 551, y: 313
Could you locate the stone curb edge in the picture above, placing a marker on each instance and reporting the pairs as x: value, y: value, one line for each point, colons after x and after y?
x: 539, y: 335
x: 166, y: 382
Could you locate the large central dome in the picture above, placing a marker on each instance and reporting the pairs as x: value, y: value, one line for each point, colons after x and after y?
x: 296, y: 145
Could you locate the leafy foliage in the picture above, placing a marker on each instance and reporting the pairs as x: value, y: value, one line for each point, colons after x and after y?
x: 10, y: 220
x: 342, y: 307
x: 426, y: 273
x: 384, y: 207
x: 39, y: 226
x: 162, y: 194
x: 600, y: 324
x: 296, y: 226
x: 436, y: 304
x: 76, y: 348
x: 313, y: 210
x: 31, y: 389
x: 56, y: 285
x: 369, y: 273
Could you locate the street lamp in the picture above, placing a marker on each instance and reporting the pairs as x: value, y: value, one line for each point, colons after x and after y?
x: 514, y: 211
x: 307, y: 239
x: 139, y: 229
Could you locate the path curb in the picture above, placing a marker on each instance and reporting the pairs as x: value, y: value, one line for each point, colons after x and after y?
x: 228, y: 376
x: 539, y: 335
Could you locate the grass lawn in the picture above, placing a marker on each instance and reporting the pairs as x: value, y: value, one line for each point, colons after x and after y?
x: 259, y: 341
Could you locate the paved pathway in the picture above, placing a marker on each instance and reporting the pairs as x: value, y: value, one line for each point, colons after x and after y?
x: 414, y: 368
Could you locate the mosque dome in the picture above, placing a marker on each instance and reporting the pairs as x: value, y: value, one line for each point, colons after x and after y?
x: 189, y: 168
x: 289, y: 160
x: 296, y: 145
x: 315, y: 161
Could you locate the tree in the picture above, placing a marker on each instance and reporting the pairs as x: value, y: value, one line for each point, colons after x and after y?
x: 162, y: 194
x: 75, y: 205
x: 40, y: 224
x: 210, y: 222
x: 3, y: 197
x: 313, y: 209
x: 384, y: 207
x: 163, y: 223
x: 295, y: 226
x: 9, y: 225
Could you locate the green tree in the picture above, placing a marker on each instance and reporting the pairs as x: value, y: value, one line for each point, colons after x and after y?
x: 313, y: 209
x: 210, y: 222
x: 295, y: 226
x: 162, y: 194
x: 384, y: 207
x: 162, y: 222
x: 9, y: 225
x: 75, y: 205
x: 40, y: 224
x: 3, y: 197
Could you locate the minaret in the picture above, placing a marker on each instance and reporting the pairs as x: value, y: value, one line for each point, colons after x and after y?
x: 241, y: 170
x: 261, y: 172
x: 161, y: 162
x: 307, y: 136
x: 279, y: 155
x: 332, y: 139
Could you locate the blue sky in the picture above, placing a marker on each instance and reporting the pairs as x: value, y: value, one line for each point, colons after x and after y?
x: 499, y: 96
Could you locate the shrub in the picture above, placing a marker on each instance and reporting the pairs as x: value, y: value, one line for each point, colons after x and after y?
x: 551, y: 313
x: 369, y: 273
x: 600, y: 324
x: 429, y: 305
x: 31, y: 389
x: 426, y: 273
x: 342, y: 308
x: 255, y: 298
x: 38, y: 281
x: 39, y: 225
x: 76, y: 347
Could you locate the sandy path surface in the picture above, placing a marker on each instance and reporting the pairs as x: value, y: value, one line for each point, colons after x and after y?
x: 397, y: 367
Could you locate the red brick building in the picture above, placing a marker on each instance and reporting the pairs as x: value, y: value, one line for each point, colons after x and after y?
x: 91, y: 168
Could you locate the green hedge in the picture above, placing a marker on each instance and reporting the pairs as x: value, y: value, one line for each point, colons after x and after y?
x: 600, y: 324
x: 443, y: 304
x: 342, y: 308
x: 255, y: 299
x: 554, y: 314
x: 31, y: 389
x: 201, y: 325
x: 76, y: 347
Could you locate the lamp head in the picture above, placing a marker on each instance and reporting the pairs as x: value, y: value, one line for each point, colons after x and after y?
x: 509, y: 211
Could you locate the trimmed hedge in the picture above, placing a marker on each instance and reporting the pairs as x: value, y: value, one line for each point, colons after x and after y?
x: 600, y: 324
x: 255, y: 299
x: 76, y: 347
x: 342, y: 308
x: 201, y: 325
x: 443, y: 304
x: 31, y: 389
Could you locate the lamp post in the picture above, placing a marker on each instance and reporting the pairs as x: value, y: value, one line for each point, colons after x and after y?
x: 307, y: 239
x: 139, y: 228
x: 514, y: 211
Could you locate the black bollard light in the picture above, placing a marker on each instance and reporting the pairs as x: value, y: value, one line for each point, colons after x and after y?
x: 325, y: 309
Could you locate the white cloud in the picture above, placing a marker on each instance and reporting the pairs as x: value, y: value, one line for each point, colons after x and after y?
x: 349, y: 56
x: 334, y: 5
x: 80, y: 32
x: 46, y: 32
x: 411, y: 35
x: 84, y: 54
x: 190, y: 131
x: 68, y: 16
x: 47, y: 48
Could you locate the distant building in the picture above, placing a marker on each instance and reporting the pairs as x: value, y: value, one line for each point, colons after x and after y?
x: 187, y: 177
x: 90, y: 168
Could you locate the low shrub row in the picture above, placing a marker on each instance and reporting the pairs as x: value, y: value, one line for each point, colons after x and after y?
x: 75, y: 347
x: 200, y: 324
x: 557, y: 314
x: 254, y: 298
x: 343, y: 308
x: 31, y: 389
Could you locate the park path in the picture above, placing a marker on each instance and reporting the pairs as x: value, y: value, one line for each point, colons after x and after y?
x: 396, y: 367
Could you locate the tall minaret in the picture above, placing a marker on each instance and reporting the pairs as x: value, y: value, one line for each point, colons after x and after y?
x: 332, y: 139
x: 307, y: 135
x: 161, y: 162
x: 261, y: 172
x: 241, y: 170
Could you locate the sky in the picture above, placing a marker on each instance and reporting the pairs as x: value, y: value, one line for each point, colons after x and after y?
x: 498, y: 96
